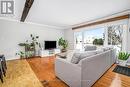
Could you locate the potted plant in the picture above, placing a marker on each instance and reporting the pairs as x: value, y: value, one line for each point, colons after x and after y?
x: 122, y: 57
x: 63, y: 43
x: 30, y: 46
x: 34, y: 42
x: 21, y: 54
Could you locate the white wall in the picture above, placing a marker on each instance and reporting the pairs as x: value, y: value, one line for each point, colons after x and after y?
x: 69, y: 36
x: 12, y: 33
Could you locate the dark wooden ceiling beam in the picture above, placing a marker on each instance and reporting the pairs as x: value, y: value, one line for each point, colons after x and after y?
x: 102, y: 21
x: 27, y: 6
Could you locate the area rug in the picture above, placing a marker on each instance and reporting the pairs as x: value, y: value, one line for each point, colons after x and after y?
x: 19, y: 74
x: 122, y: 70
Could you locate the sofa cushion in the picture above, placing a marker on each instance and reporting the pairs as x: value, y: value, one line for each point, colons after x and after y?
x: 106, y: 48
x: 109, y: 46
x: 87, y: 54
x: 69, y: 54
x: 90, y: 47
x: 99, y: 51
x: 79, y: 56
x: 76, y: 57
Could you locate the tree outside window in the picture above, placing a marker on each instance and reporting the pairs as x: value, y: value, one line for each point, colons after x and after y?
x: 115, y: 36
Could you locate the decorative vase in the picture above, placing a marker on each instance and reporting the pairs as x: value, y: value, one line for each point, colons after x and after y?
x: 122, y: 62
x: 22, y: 57
x: 63, y: 50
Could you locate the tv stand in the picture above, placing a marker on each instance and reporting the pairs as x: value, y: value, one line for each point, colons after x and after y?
x: 52, y: 52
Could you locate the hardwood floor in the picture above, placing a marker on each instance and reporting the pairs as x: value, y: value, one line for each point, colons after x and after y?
x: 44, y: 70
x: 112, y: 79
x: 20, y: 74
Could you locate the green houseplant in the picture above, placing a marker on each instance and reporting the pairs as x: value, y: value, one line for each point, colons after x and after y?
x: 63, y: 43
x: 30, y: 46
x: 21, y: 54
x: 34, y: 43
x: 122, y: 57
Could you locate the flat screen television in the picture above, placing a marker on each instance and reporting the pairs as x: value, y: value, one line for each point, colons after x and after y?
x: 50, y: 45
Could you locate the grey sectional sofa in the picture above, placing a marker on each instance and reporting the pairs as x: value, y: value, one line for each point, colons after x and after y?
x: 87, y: 71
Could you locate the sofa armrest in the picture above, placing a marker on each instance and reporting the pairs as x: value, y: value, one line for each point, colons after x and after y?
x: 68, y: 72
x: 93, y: 68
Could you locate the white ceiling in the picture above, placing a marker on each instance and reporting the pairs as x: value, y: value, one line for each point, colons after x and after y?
x: 64, y: 13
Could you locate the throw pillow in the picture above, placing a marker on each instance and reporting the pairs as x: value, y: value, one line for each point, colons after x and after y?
x: 76, y: 57
x: 79, y: 56
x: 69, y: 54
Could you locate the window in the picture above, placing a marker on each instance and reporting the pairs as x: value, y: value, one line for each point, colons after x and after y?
x: 115, y: 35
x: 89, y: 37
x: 94, y: 37
x: 78, y: 40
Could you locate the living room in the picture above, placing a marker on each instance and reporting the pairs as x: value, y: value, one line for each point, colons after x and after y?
x: 64, y: 43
